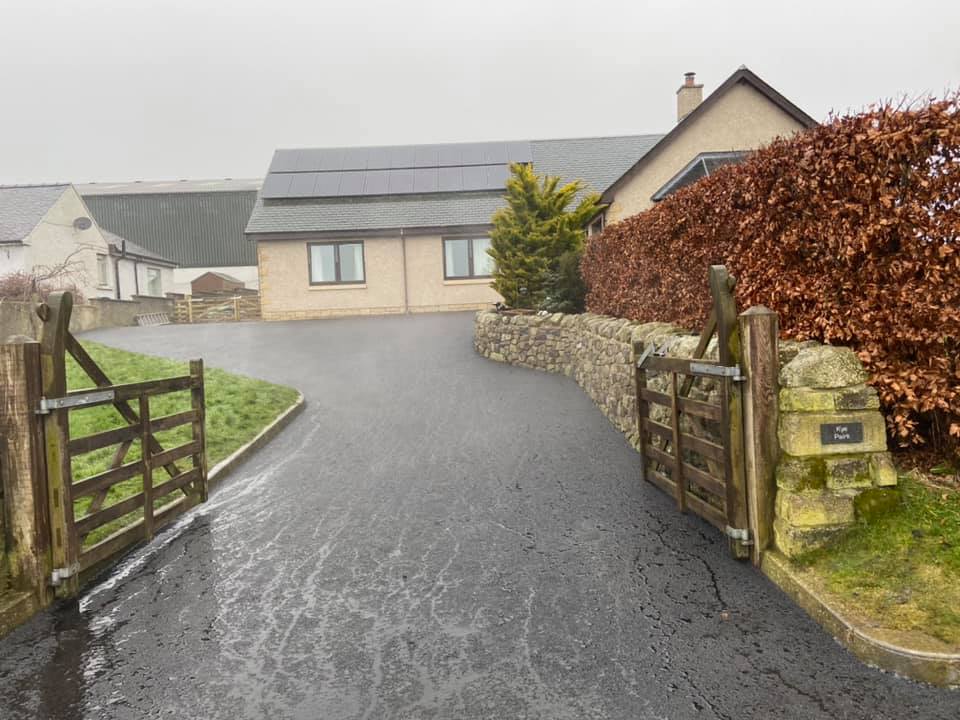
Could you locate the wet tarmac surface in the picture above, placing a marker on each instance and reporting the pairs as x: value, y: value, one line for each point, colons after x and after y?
x: 436, y: 536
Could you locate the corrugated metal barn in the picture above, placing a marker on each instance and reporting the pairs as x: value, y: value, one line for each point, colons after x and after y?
x: 194, y: 223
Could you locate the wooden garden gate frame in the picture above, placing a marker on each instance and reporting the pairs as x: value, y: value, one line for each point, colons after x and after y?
x: 132, y: 401
x: 729, y: 482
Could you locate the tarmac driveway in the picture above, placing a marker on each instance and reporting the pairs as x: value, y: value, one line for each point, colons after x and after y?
x: 436, y: 536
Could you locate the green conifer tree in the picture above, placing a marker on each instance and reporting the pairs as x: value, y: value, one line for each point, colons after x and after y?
x: 533, y: 231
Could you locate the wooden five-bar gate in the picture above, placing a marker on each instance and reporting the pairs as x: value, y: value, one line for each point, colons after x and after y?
x: 172, y: 480
x: 694, y: 448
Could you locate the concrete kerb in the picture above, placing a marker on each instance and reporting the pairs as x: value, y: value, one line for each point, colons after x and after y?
x: 228, y: 464
x: 936, y: 668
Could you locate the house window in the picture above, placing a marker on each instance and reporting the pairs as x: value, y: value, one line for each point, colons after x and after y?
x: 103, y: 271
x: 154, y: 284
x: 596, y: 227
x: 466, y: 258
x: 338, y: 262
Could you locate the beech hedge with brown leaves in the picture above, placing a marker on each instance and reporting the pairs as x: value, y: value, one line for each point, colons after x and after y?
x: 850, y: 231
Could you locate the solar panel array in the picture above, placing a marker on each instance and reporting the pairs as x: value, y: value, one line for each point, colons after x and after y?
x: 393, y: 170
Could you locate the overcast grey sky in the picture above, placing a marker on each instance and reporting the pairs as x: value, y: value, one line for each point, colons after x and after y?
x: 101, y: 90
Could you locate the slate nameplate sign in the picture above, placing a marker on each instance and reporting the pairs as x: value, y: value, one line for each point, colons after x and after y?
x: 849, y: 433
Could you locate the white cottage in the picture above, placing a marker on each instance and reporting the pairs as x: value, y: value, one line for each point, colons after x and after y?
x: 47, y: 232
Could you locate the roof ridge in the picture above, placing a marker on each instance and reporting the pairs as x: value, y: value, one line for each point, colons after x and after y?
x: 178, y: 180
x: 602, y: 137
x: 469, y: 142
x: 16, y: 186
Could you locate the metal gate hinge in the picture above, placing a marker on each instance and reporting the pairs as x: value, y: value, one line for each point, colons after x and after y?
x: 60, y: 574
x: 741, y: 534
x: 95, y: 397
x: 706, y: 368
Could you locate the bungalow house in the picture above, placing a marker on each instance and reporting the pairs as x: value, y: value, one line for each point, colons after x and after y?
x: 46, y: 232
x: 378, y: 230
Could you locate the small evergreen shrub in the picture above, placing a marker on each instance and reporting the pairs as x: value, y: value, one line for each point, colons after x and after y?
x: 533, y: 231
x: 565, y: 290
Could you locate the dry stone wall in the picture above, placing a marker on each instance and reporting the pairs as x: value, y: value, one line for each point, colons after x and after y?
x: 594, y: 350
x: 822, y: 487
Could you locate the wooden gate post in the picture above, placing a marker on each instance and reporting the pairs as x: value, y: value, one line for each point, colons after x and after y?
x: 728, y: 346
x: 55, y: 314
x: 23, y: 473
x: 759, y: 333
x: 199, y: 405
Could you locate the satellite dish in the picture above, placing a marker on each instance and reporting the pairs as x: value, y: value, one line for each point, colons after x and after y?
x: 82, y: 223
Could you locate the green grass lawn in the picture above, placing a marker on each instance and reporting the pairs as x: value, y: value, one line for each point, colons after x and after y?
x: 902, y: 570
x: 237, y: 409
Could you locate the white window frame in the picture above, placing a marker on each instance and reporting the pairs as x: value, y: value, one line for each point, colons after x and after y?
x: 103, y: 270
x: 159, y: 277
x: 596, y: 225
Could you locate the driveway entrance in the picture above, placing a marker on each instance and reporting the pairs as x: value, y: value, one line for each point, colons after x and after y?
x: 436, y: 536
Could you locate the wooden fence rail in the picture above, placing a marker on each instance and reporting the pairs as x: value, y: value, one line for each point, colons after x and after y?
x: 218, y: 308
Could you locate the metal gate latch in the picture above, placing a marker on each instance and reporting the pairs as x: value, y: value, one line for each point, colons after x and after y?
x: 60, y: 574
x: 741, y: 534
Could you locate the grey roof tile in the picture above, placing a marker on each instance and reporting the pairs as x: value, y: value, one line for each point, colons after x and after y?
x: 597, y: 161
x: 378, y: 213
x: 23, y: 206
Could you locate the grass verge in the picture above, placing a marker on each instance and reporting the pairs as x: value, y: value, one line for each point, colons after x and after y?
x: 901, y: 571
x: 237, y: 409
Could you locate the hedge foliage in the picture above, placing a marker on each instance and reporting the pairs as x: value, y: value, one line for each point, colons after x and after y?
x: 850, y: 231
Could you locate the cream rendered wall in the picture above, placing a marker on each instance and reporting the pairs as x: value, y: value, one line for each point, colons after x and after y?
x: 427, y: 291
x: 182, y: 277
x: 741, y: 119
x: 12, y: 259
x: 286, y: 293
x: 54, y: 241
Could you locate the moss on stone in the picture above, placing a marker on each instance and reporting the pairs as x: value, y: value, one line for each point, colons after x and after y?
x: 799, y: 433
x: 796, y: 542
x: 882, y: 471
x: 823, y: 367
x: 815, y: 509
x: 875, y: 502
x: 800, y: 474
x: 844, y: 473
x: 803, y: 399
